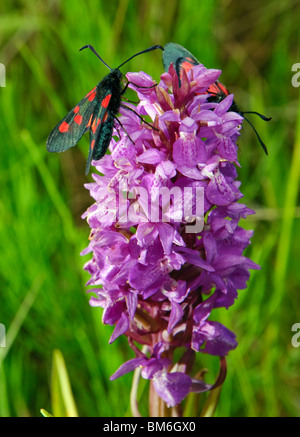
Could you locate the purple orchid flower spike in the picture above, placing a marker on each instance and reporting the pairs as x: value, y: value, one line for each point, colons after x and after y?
x: 166, y: 244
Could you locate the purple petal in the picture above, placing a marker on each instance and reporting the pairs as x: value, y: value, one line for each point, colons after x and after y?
x: 172, y: 387
x: 127, y: 367
x: 120, y: 328
x: 175, y: 316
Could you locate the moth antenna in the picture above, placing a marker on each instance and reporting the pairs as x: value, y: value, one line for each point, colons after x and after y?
x: 139, y: 86
x: 140, y: 53
x: 263, y: 117
x: 88, y: 46
x: 258, y: 137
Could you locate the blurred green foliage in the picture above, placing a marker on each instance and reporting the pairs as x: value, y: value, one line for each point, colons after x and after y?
x: 44, y: 305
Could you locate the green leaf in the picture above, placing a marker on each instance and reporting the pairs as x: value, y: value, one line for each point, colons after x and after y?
x: 211, y: 403
x: 45, y: 413
x: 62, y: 399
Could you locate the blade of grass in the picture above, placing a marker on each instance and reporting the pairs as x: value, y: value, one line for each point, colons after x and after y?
x: 62, y: 399
x: 50, y: 186
x: 280, y: 275
x: 19, y: 318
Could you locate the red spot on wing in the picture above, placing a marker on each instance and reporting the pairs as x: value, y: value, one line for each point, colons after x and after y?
x: 92, y: 94
x: 105, y: 117
x: 90, y: 121
x: 95, y: 124
x: 223, y: 88
x: 76, y: 109
x: 106, y: 101
x: 92, y: 144
x: 219, y: 89
x: 78, y: 119
x: 213, y: 89
x: 187, y: 66
x: 64, y: 127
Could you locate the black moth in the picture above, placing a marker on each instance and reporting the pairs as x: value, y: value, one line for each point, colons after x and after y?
x: 95, y: 112
x: 182, y: 59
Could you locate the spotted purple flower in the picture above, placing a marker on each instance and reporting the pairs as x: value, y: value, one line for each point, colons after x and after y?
x: 157, y: 276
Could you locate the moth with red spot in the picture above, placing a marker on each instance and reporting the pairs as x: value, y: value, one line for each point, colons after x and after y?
x: 182, y: 59
x: 96, y: 112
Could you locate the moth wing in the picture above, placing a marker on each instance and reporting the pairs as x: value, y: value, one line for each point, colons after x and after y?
x: 70, y: 129
x: 100, y: 130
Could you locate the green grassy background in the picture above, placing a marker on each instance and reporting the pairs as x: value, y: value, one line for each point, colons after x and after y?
x: 43, y: 302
